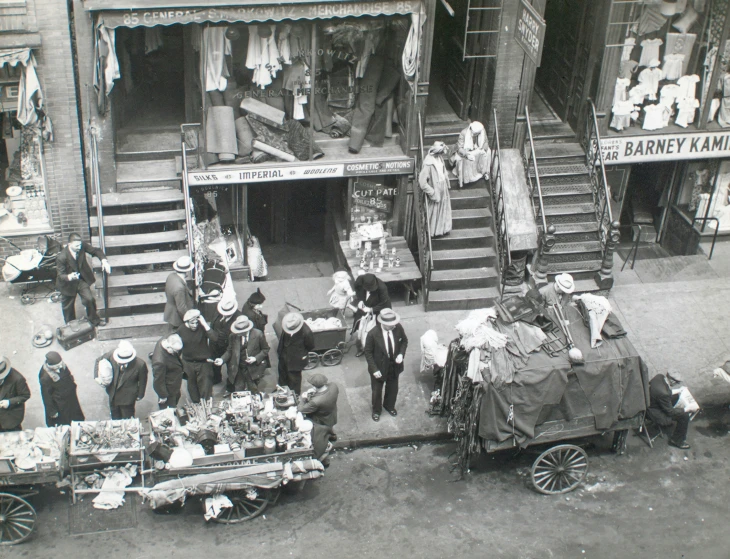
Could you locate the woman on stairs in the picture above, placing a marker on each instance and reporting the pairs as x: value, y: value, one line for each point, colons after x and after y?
x: 434, y: 181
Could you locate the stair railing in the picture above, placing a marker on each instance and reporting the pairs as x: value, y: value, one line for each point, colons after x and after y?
x: 608, y: 229
x: 96, y: 184
x: 535, y: 186
x: 423, y: 228
x: 501, y: 229
x: 189, y: 141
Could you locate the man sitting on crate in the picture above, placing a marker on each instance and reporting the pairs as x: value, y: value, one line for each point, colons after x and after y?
x: 75, y: 276
x: 124, y: 376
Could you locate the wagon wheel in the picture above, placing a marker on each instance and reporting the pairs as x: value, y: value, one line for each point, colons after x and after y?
x: 559, y: 469
x: 17, y: 519
x: 332, y: 357
x: 55, y: 297
x: 26, y: 300
x: 312, y: 361
x: 245, y: 508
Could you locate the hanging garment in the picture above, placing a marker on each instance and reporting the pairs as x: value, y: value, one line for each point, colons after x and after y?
x: 649, y: 78
x: 654, y: 117
x: 627, y: 69
x: 434, y: 181
x: 723, y: 116
x: 668, y: 94
x: 283, y: 43
x: 649, y: 51
x: 622, y: 115
x: 686, y: 115
x: 689, y: 86
x: 620, y: 92
x: 217, y: 46
x: 409, y: 58
x: 714, y: 107
x: 106, y: 65
x: 263, y: 55
x: 472, y: 157
x: 365, y: 105
x: 30, y: 101
x: 637, y: 94
x: 598, y: 309
x: 629, y: 44
x: 681, y: 43
x: 382, y: 120
x: 673, y: 66
x: 152, y: 39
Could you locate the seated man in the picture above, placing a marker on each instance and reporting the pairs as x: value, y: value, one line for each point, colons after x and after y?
x: 662, y: 411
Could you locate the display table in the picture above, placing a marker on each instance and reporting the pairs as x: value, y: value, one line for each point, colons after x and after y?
x: 407, y: 273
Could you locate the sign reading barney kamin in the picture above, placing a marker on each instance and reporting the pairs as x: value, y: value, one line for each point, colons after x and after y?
x: 530, y: 31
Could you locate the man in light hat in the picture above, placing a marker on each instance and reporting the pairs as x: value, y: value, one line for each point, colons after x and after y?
x: 558, y: 293
x: 226, y: 314
x: 294, y: 346
x: 14, y: 393
x: 167, y: 370
x: 385, y: 348
x: 128, y: 381
x: 197, y: 355
x: 58, y: 390
x: 247, y: 355
x: 179, y: 297
x: 253, y: 309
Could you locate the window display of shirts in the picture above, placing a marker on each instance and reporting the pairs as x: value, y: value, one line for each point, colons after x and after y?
x: 681, y: 43
x: 673, y: 66
x: 629, y: 45
x: 654, y: 117
x: 620, y: 90
x: 687, y: 108
x: 649, y: 78
x: 649, y: 50
x: 688, y: 85
x: 637, y: 94
x: 263, y: 55
x: 668, y: 94
x: 627, y: 68
x: 622, y: 115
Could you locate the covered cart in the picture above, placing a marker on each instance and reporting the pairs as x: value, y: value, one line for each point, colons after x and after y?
x: 529, y: 393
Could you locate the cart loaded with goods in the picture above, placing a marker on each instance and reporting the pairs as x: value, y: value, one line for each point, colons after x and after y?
x: 525, y: 374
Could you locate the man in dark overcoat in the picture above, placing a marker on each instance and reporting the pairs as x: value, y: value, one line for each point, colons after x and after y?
x: 371, y: 296
x: 294, y: 346
x: 661, y: 410
x: 247, y: 355
x: 58, y: 390
x: 14, y: 392
x: 126, y: 382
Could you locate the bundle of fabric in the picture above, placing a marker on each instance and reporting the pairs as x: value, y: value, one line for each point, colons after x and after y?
x: 321, y: 324
x: 598, y: 309
x: 432, y: 352
x: 476, y: 330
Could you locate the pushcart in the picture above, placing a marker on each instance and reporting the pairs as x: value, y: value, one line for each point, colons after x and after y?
x: 329, y: 345
x: 33, y: 268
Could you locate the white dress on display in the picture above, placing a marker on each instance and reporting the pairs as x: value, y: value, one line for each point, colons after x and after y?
x: 649, y: 78
x: 620, y: 90
x: 688, y: 85
x: 654, y: 117
x: 637, y: 94
x: 673, y: 66
x: 687, y: 108
x: 649, y: 50
x: 622, y: 115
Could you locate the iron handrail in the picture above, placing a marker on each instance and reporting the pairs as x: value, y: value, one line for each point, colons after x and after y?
x: 594, y: 121
x: 96, y: 181
x: 704, y: 220
x: 537, y: 174
x: 498, y: 207
x: 421, y: 205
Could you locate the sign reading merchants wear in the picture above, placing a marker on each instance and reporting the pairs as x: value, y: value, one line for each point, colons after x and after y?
x: 300, y: 172
x: 530, y: 31
x: 665, y: 147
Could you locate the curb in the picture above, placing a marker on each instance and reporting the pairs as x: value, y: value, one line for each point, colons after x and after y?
x: 352, y: 444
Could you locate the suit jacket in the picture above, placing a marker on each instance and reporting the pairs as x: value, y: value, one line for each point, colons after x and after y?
x: 179, y: 300
x: 376, y: 353
x: 59, y: 397
x: 257, y: 347
x: 66, y: 264
x: 259, y: 319
x: 125, y: 389
x: 661, y: 402
x: 221, y: 325
x: 378, y: 299
x: 16, y: 390
x: 166, y: 368
x: 293, y: 349
x: 321, y: 408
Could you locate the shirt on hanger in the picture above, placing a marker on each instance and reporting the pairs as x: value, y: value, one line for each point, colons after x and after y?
x: 620, y: 90
x: 627, y: 68
x: 650, y: 77
x: 654, y: 117
x: 688, y: 85
x: 681, y: 43
x: 673, y: 66
x: 649, y: 50
x: 637, y: 94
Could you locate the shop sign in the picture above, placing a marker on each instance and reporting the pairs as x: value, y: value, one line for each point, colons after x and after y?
x: 374, y: 195
x: 665, y: 147
x: 530, y: 31
x: 152, y: 17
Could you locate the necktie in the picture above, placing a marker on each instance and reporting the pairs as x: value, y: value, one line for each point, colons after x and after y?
x: 391, y: 345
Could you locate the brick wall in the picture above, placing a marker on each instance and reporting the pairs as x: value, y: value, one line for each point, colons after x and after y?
x: 63, y: 162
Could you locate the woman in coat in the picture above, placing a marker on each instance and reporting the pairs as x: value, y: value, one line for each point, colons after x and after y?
x: 434, y: 181
x: 472, y: 158
x: 58, y: 390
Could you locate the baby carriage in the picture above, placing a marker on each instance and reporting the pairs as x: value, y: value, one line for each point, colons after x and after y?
x: 32, y: 268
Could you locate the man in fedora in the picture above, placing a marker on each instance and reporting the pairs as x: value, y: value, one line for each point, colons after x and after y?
x: 371, y: 296
x: 294, y: 346
x: 226, y: 312
x: 247, y: 355
x: 179, y: 297
x: 558, y: 293
x: 74, y: 277
x: 58, y: 391
x: 167, y: 370
x: 197, y: 355
x: 14, y: 393
x: 128, y: 380
x: 385, y: 348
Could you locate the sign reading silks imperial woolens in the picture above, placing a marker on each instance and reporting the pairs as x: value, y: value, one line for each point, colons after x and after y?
x: 530, y: 31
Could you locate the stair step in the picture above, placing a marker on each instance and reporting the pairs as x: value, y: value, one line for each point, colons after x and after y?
x: 146, y: 171
x: 130, y: 280
x: 567, y: 199
x: 141, y: 239
x: 469, y: 198
x: 467, y: 278
x: 570, y: 189
x: 559, y: 170
x: 474, y: 217
x: 463, y: 258
x: 463, y: 238
x: 576, y: 247
x: 122, y: 220
x: 143, y: 258
x: 558, y: 151
x: 159, y: 196
x: 136, y: 141
x: 136, y: 300
x: 462, y: 299
x: 136, y: 326
x: 573, y: 267
x: 570, y: 209
x: 571, y: 228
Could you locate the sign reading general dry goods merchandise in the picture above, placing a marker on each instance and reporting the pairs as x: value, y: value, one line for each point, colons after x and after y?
x: 299, y: 172
x: 665, y: 147
x: 530, y: 31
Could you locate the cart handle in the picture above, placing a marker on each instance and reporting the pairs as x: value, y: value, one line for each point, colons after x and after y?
x: 11, y: 243
x: 293, y: 306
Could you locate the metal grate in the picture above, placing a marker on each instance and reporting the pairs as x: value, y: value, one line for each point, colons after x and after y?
x: 85, y: 519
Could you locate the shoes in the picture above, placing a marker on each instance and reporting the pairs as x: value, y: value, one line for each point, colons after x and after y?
x: 376, y: 417
x: 392, y: 412
x: 100, y: 322
x: 682, y: 445
x: 360, y: 353
x: 333, y: 438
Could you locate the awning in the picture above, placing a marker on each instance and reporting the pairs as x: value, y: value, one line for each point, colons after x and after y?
x: 13, y: 57
x: 150, y: 17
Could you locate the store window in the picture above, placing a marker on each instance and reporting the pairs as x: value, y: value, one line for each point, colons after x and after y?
x: 669, y: 75
x: 371, y: 207
x: 705, y: 193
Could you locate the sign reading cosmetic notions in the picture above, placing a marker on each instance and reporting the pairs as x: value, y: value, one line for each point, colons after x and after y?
x: 254, y: 174
x: 530, y: 31
x: 665, y: 147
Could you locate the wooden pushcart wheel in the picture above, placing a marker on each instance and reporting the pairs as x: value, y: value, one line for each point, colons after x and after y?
x: 312, y: 361
x: 559, y: 469
x: 17, y: 519
x: 247, y: 504
x: 332, y: 357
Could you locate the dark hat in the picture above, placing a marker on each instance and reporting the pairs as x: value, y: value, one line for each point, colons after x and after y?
x: 53, y: 358
x: 257, y: 298
x: 318, y: 380
x: 369, y: 282
x: 4, y: 366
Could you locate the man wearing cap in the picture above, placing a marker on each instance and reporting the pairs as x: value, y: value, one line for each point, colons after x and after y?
x: 179, y: 297
x: 14, y: 393
x: 74, y: 277
x: 385, y: 348
x: 319, y: 404
x: 371, y: 295
x: 252, y: 308
x: 225, y: 315
x: 128, y: 381
x: 294, y: 346
x: 197, y: 355
x: 167, y: 370
x: 58, y: 391
x: 247, y: 355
